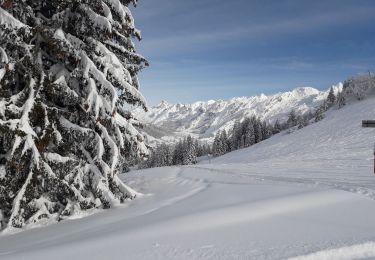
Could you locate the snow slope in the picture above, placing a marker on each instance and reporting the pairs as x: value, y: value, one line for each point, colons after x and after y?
x: 305, y: 195
x: 204, y: 119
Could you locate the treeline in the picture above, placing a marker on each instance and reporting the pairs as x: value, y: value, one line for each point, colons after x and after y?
x: 243, y: 134
x: 185, y: 152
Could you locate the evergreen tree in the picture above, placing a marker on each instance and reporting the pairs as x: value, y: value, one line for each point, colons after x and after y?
x: 341, y: 99
x: 225, y: 144
x: 215, y: 145
x: 160, y: 156
x: 190, y: 151
x: 249, y: 135
x: 242, y: 143
x: 257, y: 129
x: 324, y: 106
x: 266, y: 130
x: 220, y: 145
x: 319, y: 114
x: 331, y: 98
x: 292, y: 119
x: 199, y: 148
x: 236, y: 136
x: 178, y: 153
x: 277, y: 128
x: 302, y: 121
x: 185, y: 152
x: 359, y: 86
x: 66, y: 70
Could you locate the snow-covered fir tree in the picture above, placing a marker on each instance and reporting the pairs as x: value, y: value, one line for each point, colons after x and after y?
x: 292, y: 118
x: 266, y: 130
x: 217, y: 146
x: 257, y: 125
x: 277, y: 128
x: 67, y: 68
x: 319, y: 114
x: 341, y: 100
x: 185, y: 152
x: 250, y: 131
x: 302, y: 121
x: 249, y: 134
x: 236, y: 135
x: 225, y: 141
x: 359, y: 86
x: 221, y: 143
x: 161, y: 156
x: 331, y: 98
x: 190, y: 151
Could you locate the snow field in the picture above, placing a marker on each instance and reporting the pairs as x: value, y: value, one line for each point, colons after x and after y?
x: 304, y: 195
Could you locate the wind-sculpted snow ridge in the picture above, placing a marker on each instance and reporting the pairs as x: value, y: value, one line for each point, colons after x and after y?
x: 204, y: 119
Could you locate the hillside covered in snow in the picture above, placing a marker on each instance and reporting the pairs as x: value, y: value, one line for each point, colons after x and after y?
x: 203, y: 120
x: 308, y: 194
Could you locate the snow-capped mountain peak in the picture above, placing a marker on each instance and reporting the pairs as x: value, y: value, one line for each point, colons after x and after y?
x: 203, y: 119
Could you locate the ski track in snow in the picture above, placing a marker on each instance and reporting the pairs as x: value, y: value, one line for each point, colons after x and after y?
x: 323, y: 183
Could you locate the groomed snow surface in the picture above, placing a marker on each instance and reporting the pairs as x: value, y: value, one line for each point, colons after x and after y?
x: 304, y: 195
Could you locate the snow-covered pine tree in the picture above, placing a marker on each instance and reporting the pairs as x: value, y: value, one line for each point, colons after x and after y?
x: 190, y: 151
x: 292, y: 119
x: 160, y: 156
x: 331, y: 98
x: 319, y: 113
x: 341, y: 100
x: 249, y: 135
x: 266, y: 130
x: 277, y: 128
x: 200, y: 148
x: 360, y: 86
x: 257, y: 125
x: 236, y: 136
x: 216, y: 145
x: 302, y: 121
x: 67, y: 68
x: 178, y: 153
x: 225, y: 142
x: 219, y: 145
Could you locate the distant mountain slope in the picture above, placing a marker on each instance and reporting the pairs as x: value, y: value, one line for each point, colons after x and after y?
x: 204, y: 119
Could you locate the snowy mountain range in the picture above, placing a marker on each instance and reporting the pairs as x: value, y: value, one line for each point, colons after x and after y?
x: 168, y: 122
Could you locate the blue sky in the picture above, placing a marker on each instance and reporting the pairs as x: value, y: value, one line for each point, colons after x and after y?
x: 215, y: 49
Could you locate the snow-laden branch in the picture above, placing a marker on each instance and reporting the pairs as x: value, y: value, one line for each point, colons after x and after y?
x: 9, y: 21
